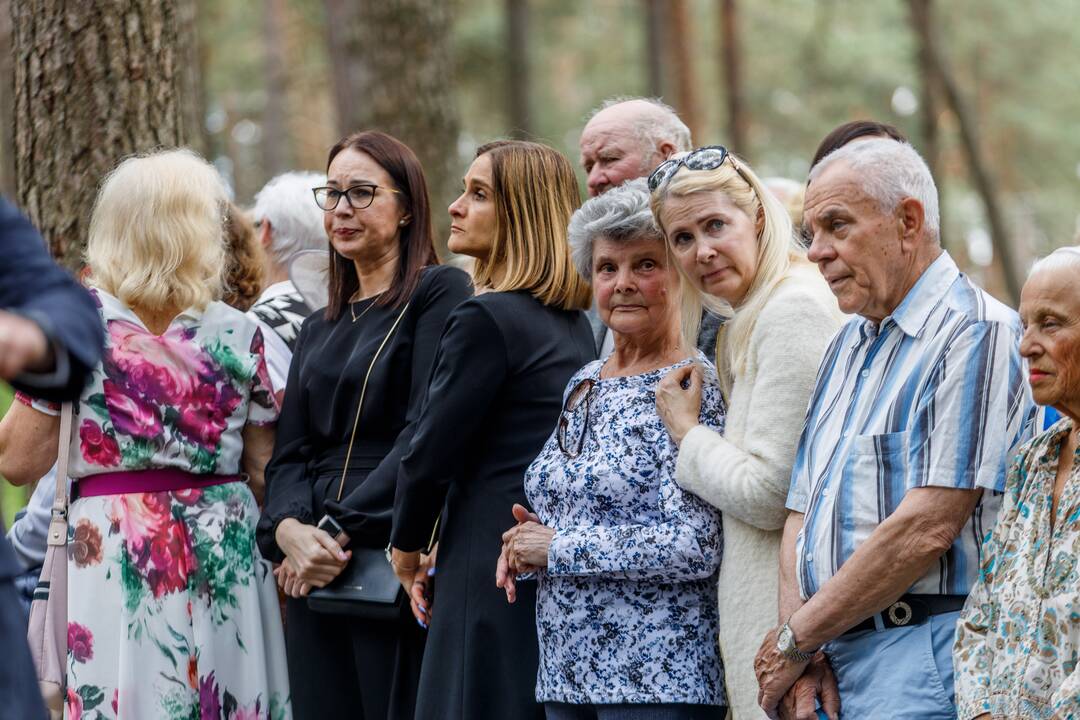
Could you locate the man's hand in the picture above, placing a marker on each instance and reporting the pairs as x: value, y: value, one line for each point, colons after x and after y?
x: 775, y: 674
x: 23, y: 347
x: 816, y: 682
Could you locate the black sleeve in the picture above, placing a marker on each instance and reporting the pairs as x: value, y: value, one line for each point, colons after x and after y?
x: 469, y: 371
x: 365, y: 513
x: 32, y: 285
x: 288, y: 489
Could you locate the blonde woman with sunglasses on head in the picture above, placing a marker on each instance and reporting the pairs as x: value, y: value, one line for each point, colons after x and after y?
x: 733, y: 242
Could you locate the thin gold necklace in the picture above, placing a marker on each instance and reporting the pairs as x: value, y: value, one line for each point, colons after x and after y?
x: 352, y: 307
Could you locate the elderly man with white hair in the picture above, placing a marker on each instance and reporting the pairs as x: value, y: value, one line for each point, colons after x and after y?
x: 625, y: 139
x: 288, y: 222
x: 1019, y: 634
x: 918, y: 403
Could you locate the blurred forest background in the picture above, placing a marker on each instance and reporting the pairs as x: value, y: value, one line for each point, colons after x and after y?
x: 982, y: 87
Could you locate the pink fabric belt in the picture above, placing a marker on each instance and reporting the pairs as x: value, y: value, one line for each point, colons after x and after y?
x: 143, y: 481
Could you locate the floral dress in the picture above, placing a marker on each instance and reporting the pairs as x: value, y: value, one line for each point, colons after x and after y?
x: 626, y: 609
x: 172, y: 611
x: 1018, y: 637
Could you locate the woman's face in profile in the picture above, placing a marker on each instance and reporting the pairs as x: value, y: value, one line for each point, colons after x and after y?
x: 636, y: 284
x: 472, y: 215
x: 369, y: 232
x: 1050, y: 311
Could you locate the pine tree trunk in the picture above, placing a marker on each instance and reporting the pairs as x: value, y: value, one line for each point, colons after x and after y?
x: 7, y: 102
x: 731, y: 68
x: 397, y: 56
x: 680, y: 45
x: 517, y: 67
x: 94, y: 83
x: 275, y: 137
x: 655, y: 33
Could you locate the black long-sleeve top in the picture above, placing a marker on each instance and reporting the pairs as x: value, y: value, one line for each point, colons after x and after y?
x: 321, y: 397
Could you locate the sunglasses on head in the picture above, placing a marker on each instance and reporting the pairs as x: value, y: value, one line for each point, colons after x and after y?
x: 709, y: 157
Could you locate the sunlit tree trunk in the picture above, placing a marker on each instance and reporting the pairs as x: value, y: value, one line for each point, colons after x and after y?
x: 94, y: 83
x: 984, y: 183
x: 680, y: 46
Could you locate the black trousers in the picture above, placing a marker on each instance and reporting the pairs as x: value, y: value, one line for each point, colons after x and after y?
x: 344, y: 667
x: 20, y: 698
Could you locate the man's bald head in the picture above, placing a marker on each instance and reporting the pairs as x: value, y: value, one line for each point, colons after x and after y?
x: 626, y: 138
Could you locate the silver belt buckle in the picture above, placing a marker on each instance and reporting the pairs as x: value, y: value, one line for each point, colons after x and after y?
x: 900, y: 613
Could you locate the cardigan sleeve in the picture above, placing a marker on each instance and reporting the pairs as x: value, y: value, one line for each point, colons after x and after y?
x: 750, y: 480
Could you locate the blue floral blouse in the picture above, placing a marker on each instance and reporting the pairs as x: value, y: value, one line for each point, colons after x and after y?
x: 626, y: 609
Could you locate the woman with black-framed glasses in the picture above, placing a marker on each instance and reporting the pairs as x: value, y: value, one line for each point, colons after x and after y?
x: 627, y: 561
x: 356, y: 383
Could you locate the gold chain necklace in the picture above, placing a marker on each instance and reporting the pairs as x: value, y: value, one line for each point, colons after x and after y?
x: 352, y: 307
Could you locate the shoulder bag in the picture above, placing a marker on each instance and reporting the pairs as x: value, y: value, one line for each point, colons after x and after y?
x: 47, y: 632
x: 367, y: 587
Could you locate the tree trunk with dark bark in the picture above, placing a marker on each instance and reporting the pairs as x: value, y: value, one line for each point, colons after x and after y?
x: 731, y: 67
x: 655, y: 33
x: 94, y: 83
x: 517, y: 69
x: 397, y: 56
x: 7, y: 103
x: 980, y: 173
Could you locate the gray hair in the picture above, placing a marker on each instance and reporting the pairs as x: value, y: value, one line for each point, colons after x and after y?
x: 296, y: 221
x: 652, y: 128
x: 1063, y: 257
x: 621, y: 213
x: 889, y: 172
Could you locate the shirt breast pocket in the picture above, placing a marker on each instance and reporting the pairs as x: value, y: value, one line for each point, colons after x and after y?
x: 876, y: 476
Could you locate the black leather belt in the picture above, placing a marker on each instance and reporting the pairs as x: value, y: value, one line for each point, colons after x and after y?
x: 911, y: 610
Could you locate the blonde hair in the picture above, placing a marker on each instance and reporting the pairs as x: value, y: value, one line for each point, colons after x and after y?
x: 536, y: 192
x: 777, y: 252
x: 157, y: 235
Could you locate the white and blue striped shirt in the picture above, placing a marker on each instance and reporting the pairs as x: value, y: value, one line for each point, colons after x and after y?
x: 935, y: 396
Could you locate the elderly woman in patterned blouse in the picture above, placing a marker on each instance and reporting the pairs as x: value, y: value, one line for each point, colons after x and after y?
x: 627, y: 561
x: 1018, y: 637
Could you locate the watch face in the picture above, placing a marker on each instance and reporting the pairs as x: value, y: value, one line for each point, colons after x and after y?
x: 784, y: 639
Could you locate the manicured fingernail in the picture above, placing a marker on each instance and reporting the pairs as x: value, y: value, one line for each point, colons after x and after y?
x: 421, y: 623
x: 342, y: 556
x: 431, y: 572
x: 422, y: 608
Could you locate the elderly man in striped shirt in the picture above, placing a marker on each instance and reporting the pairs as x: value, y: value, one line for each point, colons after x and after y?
x: 918, y: 402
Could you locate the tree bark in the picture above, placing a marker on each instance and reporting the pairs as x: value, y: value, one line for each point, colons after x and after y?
x: 680, y: 47
x: 7, y: 101
x: 655, y: 33
x: 192, y: 70
x: 731, y: 67
x: 980, y: 173
x: 275, y: 134
x: 94, y: 83
x: 517, y: 75
x: 397, y: 55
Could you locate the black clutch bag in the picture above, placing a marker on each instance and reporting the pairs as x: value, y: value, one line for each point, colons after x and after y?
x: 367, y: 587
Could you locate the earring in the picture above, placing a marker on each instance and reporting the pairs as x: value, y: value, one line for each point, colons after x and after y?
x: 401, y: 222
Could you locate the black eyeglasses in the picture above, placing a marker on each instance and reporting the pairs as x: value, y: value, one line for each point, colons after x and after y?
x: 572, y: 426
x: 358, y: 196
x: 709, y: 157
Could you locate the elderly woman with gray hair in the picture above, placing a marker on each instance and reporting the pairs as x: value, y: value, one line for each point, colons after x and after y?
x: 1018, y: 636
x: 626, y: 561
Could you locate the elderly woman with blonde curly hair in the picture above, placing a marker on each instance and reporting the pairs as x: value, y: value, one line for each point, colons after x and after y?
x: 733, y: 242
x: 172, y: 611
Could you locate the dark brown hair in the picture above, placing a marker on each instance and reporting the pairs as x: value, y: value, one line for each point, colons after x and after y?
x: 416, y: 242
x: 843, y: 134
x: 244, y: 276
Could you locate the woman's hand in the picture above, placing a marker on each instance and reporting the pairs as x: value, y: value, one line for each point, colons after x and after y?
x: 678, y: 400
x: 421, y: 597
x: 289, y: 582
x: 504, y: 576
x: 406, y: 565
x: 315, y: 557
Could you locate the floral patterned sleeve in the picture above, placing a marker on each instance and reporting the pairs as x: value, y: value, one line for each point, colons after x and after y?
x: 683, y: 541
x: 973, y: 656
x: 264, y: 407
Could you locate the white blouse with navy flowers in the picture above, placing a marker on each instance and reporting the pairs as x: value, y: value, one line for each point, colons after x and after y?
x: 626, y: 609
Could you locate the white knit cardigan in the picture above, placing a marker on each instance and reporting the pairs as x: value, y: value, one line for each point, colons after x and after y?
x: 746, y: 472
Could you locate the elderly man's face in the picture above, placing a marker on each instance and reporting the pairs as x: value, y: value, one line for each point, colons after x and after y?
x: 612, y: 153
x: 1050, y: 309
x: 856, y: 245
x: 636, y: 285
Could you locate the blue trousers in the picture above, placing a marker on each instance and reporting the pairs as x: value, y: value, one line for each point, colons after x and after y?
x: 897, y: 674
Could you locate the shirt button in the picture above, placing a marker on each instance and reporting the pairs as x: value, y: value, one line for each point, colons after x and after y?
x: 809, y: 558
x: 865, y: 373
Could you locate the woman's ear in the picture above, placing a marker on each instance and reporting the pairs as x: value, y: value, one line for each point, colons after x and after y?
x: 405, y: 220
x: 759, y: 221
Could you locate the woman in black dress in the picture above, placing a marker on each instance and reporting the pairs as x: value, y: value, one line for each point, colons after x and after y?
x: 383, y: 272
x: 495, y: 393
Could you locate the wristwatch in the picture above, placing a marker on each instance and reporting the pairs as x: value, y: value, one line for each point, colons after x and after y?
x: 788, y: 647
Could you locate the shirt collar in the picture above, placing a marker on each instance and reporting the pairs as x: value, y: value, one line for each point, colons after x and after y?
x: 914, y: 310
